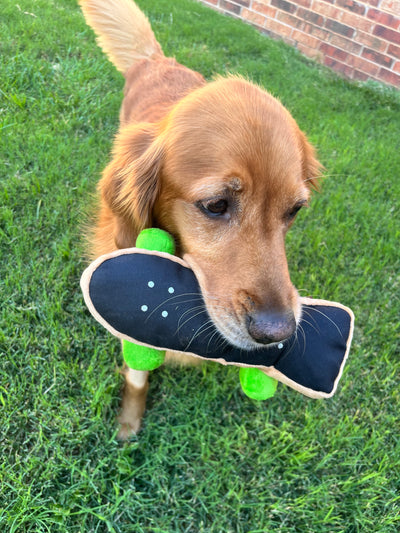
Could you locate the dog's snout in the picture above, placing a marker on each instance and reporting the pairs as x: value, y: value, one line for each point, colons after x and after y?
x: 267, y: 327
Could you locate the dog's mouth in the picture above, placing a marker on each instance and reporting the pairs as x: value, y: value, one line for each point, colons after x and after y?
x: 246, y: 330
x: 234, y: 332
x: 237, y: 332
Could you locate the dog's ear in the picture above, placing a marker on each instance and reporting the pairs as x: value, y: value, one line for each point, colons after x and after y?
x: 312, y: 168
x: 131, y: 182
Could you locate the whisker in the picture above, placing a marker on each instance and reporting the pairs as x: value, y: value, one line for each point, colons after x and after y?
x: 180, y: 326
x: 308, y: 313
x: 301, y: 329
x: 315, y: 328
x: 221, y: 345
x: 169, y: 301
x: 203, y: 327
x: 191, y: 310
x: 328, y: 318
x: 210, y: 340
x: 222, y: 341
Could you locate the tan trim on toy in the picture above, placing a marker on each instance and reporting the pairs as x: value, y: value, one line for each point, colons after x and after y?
x: 270, y: 371
x: 87, y: 276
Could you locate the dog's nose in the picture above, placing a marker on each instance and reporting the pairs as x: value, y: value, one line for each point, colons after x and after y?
x: 267, y: 327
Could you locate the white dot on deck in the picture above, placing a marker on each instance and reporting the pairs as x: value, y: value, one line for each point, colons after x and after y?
x: 151, y: 284
x: 164, y: 314
x: 280, y: 346
x: 171, y: 290
x: 144, y: 308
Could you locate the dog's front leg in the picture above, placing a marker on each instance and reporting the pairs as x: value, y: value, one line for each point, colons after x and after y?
x: 133, y: 401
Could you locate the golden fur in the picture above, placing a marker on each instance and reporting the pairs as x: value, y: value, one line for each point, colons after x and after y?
x: 222, y: 166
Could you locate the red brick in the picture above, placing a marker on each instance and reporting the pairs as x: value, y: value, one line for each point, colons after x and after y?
x: 284, y: 5
x: 393, y: 6
x: 371, y: 41
x: 360, y: 38
x: 304, y: 38
x: 345, y: 44
x: 228, y: 6
x: 244, y: 3
x: 383, y: 18
x: 362, y: 65
x: 325, y: 9
x: 332, y: 51
x: 264, y: 9
x: 357, y: 75
x: 389, y: 77
x: 318, y: 32
x: 310, y: 16
x: 339, y: 28
x: 290, y: 20
x: 376, y: 57
x: 394, y: 51
x: 304, y: 3
x: 338, y: 66
x: 276, y: 27
x: 351, y: 5
x: 277, y: 35
x: 252, y: 17
x: 388, y: 34
x: 357, y: 22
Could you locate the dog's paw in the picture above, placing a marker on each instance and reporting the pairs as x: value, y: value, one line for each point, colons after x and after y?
x: 132, y: 408
x: 127, y: 431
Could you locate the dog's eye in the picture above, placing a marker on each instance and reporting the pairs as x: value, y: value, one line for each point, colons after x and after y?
x: 291, y: 214
x: 213, y: 208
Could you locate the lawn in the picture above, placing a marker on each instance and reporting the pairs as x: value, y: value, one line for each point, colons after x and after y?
x: 208, y: 458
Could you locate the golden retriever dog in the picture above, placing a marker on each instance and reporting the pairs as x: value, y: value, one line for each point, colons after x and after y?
x: 222, y: 166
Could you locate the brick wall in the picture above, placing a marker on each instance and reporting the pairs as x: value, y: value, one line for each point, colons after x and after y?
x: 358, y: 39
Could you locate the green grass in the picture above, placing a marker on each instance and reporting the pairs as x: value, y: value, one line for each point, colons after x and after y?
x: 208, y: 459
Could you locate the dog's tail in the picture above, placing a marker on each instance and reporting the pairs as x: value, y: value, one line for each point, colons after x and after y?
x: 123, y: 31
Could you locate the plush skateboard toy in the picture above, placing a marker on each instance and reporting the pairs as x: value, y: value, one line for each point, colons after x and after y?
x: 152, y: 301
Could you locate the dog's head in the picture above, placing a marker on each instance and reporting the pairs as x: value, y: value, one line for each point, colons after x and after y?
x: 226, y: 173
